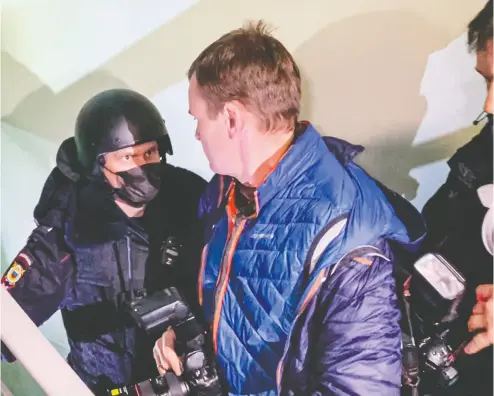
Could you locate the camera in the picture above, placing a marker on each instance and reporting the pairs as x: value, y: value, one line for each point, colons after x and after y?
x: 437, y: 311
x: 154, y: 313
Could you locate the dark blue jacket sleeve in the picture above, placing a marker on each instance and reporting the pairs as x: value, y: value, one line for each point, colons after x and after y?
x: 213, y: 194
x: 357, y: 350
x: 38, y: 276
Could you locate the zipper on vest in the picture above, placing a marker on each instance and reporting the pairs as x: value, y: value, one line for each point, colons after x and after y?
x: 224, y: 276
x: 202, y: 270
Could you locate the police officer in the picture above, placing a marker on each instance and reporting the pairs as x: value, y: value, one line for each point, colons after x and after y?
x: 103, y: 216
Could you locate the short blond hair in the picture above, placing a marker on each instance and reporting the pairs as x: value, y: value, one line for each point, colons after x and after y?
x: 250, y: 66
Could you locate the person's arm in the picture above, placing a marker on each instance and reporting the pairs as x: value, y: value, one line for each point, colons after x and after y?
x: 357, y: 350
x: 446, y: 210
x: 191, y: 237
x: 481, y: 319
x: 37, y: 276
x: 449, y: 209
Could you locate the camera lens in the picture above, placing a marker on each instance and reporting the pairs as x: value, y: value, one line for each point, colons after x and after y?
x: 176, y: 386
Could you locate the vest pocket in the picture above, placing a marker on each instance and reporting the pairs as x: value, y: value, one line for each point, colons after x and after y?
x: 96, y: 266
x: 95, y: 275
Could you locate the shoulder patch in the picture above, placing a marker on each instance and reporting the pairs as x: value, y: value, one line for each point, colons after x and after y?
x: 16, y: 270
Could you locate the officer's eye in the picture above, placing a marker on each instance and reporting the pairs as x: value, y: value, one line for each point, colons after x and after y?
x: 150, y: 153
x: 127, y: 157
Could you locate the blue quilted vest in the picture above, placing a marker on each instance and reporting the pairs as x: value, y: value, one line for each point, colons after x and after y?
x: 258, y: 272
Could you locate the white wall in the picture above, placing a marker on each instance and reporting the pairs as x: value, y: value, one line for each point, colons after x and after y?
x: 61, y: 41
x: 455, y: 94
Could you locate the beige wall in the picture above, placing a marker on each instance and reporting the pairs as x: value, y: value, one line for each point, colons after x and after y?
x: 362, y: 60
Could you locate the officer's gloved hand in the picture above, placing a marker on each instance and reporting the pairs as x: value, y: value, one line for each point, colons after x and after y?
x: 165, y: 356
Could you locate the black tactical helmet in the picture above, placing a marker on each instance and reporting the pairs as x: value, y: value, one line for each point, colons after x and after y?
x: 113, y: 120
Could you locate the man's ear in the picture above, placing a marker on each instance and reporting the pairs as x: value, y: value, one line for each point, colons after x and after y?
x: 489, y: 47
x: 234, y: 118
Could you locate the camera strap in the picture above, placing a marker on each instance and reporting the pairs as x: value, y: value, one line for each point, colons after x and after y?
x: 411, y: 363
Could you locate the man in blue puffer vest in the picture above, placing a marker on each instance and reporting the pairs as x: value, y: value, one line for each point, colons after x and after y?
x: 297, y: 268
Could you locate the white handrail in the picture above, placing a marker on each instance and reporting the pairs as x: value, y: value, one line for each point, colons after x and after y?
x: 21, y: 336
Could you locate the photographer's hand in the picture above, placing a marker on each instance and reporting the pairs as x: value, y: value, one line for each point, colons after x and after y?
x: 164, y: 354
x: 481, y: 319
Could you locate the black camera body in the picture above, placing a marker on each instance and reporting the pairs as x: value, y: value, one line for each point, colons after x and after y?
x: 155, y: 313
x: 435, y: 299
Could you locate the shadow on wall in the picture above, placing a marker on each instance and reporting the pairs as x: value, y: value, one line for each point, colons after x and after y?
x: 44, y: 113
x: 363, y: 85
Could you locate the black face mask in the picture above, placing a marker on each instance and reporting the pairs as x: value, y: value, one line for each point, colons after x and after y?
x: 141, y: 184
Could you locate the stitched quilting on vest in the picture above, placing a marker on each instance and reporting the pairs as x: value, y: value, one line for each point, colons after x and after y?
x: 252, y: 299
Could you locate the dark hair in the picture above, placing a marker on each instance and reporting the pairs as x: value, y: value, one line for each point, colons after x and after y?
x: 251, y: 66
x: 480, y: 29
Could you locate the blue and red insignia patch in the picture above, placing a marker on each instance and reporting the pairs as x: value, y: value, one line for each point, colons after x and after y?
x: 19, y: 266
